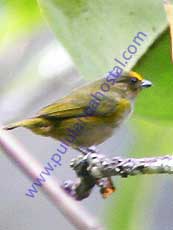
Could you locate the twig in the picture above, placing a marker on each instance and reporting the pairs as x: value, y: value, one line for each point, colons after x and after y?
x: 95, y: 169
x: 169, y: 11
x: 29, y: 165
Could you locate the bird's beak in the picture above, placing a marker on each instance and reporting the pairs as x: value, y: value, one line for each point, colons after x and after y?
x: 146, y: 84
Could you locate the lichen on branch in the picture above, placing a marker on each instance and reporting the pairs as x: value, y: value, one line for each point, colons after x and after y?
x: 96, y: 169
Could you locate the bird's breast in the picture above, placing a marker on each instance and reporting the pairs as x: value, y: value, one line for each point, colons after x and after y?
x: 123, y: 110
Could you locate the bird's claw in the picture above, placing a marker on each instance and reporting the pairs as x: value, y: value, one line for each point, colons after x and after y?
x: 85, y: 151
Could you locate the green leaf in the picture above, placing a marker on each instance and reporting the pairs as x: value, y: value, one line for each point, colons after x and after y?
x: 18, y: 17
x: 96, y: 32
x: 156, y: 103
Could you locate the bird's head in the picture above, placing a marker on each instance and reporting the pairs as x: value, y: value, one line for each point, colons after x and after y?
x: 132, y: 83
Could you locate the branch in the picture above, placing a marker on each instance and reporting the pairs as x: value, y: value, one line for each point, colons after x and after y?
x: 95, y: 169
x: 29, y: 165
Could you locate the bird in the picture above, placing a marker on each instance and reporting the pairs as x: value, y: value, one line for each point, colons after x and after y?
x: 92, y: 112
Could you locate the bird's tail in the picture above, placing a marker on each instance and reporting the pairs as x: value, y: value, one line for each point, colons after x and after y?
x: 12, y: 126
x: 28, y: 123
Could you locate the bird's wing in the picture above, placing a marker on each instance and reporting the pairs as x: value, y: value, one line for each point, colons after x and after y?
x: 62, y: 109
x: 75, y: 106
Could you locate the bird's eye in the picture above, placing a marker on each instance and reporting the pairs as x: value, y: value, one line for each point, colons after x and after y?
x: 133, y: 80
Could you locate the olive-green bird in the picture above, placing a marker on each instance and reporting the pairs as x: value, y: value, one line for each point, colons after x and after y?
x: 90, y: 113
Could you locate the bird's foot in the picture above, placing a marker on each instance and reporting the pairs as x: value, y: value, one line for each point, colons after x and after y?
x: 93, y: 149
x: 89, y: 172
x: 86, y: 150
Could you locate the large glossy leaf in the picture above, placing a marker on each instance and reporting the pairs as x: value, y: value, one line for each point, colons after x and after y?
x: 97, y: 31
x: 157, y: 103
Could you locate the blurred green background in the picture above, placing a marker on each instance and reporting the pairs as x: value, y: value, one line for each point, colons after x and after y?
x: 38, y: 67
